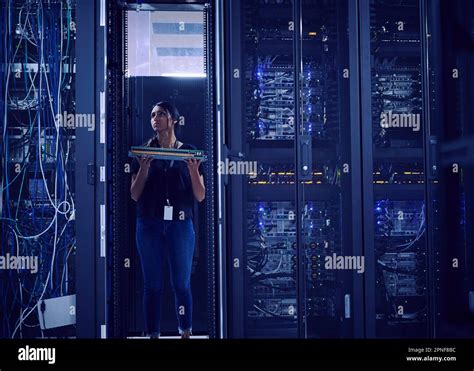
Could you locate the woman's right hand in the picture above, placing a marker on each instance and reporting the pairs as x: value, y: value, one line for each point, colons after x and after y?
x: 145, y: 162
x: 139, y: 179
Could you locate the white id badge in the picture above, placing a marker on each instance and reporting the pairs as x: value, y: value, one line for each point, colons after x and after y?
x: 168, y: 214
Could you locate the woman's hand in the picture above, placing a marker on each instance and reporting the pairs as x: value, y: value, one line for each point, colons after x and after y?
x: 197, y: 180
x: 145, y: 162
x: 139, y: 179
x: 193, y: 165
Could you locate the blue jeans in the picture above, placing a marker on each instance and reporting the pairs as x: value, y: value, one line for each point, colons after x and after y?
x: 153, y: 236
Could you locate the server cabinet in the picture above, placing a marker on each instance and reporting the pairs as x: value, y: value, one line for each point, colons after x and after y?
x: 160, y: 52
x: 449, y: 81
x: 52, y: 147
x: 328, y: 134
x: 395, y: 199
x: 263, y: 218
x: 290, y: 125
x: 416, y: 161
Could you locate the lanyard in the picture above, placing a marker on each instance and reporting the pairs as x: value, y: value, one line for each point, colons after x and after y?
x: 166, y: 175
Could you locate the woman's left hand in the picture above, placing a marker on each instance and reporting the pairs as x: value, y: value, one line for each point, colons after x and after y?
x: 193, y: 165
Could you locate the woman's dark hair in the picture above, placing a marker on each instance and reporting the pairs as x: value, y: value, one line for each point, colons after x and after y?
x: 170, y: 108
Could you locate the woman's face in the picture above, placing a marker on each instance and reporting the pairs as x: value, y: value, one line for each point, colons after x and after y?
x: 160, y: 119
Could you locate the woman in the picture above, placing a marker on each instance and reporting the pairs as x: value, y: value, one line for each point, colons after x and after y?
x: 165, y: 192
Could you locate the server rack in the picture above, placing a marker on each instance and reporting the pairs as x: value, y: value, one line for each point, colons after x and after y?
x: 448, y: 75
x: 412, y: 148
x: 417, y: 208
x: 290, y: 77
x: 130, y: 99
x: 394, y: 171
x: 53, y: 209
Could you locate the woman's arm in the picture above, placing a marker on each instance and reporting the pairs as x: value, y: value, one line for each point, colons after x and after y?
x: 139, y: 179
x: 197, y: 179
